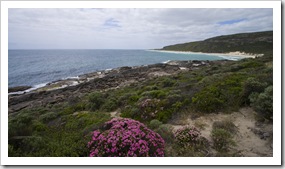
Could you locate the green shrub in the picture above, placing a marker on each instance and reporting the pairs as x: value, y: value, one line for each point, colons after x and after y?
x: 48, y: 116
x: 263, y: 102
x: 154, y: 124
x: 110, y: 104
x: 226, y: 125
x: 224, y: 93
x: 131, y: 112
x: 222, y: 139
x: 21, y: 125
x: 133, y: 98
x: 165, y: 115
x: 155, y: 94
x: 39, y: 126
x: 251, y: 85
x: 167, y: 82
x: 208, y: 100
x: 12, y: 152
x: 166, y: 132
x: 96, y: 100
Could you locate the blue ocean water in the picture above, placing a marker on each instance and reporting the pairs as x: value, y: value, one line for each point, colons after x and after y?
x: 35, y: 67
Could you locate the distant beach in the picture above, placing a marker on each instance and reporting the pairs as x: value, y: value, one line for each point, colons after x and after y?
x: 230, y: 54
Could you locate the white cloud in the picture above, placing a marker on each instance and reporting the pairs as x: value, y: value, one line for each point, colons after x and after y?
x: 127, y: 28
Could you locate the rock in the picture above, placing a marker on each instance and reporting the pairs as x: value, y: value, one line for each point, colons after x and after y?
x: 18, y: 88
x: 266, y: 134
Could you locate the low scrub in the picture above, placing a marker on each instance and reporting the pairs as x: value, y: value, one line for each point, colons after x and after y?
x: 222, y: 139
x: 263, y: 102
x: 226, y: 125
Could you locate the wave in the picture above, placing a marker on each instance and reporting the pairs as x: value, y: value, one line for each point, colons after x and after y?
x: 35, y: 87
x: 230, y: 57
x: 166, y: 61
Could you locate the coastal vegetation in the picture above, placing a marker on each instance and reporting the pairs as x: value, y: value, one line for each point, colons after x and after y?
x: 258, y: 42
x: 149, y: 109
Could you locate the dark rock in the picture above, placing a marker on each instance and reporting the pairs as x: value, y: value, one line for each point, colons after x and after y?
x: 18, y: 88
x: 266, y: 134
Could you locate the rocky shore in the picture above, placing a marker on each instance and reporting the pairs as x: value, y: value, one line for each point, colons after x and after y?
x: 62, y: 90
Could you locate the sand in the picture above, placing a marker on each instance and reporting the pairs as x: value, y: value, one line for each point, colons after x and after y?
x: 248, y: 144
x: 236, y: 53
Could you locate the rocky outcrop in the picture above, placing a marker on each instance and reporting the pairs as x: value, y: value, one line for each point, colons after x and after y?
x: 63, y: 90
x: 18, y: 88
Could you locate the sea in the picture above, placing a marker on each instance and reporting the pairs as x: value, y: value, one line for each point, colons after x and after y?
x: 38, y: 67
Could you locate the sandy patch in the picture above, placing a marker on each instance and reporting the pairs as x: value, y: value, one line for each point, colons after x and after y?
x: 248, y: 143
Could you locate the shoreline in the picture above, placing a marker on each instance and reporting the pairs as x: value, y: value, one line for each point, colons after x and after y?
x: 145, y: 71
x: 229, y: 54
x: 73, y: 81
x: 60, y: 90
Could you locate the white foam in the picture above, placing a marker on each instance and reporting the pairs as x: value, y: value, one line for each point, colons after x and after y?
x: 29, y: 90
x: 166, y: 61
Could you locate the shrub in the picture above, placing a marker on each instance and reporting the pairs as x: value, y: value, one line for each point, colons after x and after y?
x: 96, y: 99
x: 155, y: 94
x: 148, y: 108
x: 189, y: 142
x: 263, y: 102
x: 250, y: 86
x: 208, y: 101
x: 155, y: 124
x: 220, y: 94
x: 167, y: 82
x: 12, y: 152
x: 126, y: 138
x: 130, y: 112
x: 226, y: 125
x: 110, y: 105
x: 48, y: 116
x: 165, y: 131
x: 222, y: 139
x: 188, y: 136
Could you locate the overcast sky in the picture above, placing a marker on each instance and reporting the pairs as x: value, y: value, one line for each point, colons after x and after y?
x: 127, y: 28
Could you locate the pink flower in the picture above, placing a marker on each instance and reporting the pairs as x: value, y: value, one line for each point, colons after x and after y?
x: 126, y: 137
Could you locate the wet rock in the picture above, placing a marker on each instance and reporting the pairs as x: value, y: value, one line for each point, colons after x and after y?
x: 18, y: 88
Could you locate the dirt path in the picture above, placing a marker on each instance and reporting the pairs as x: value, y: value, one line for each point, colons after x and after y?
x: 252, y: 139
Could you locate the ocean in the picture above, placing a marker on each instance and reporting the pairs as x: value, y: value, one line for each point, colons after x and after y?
x: 38, y: 67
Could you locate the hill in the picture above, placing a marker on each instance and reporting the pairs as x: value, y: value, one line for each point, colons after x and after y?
x: 257, y: 42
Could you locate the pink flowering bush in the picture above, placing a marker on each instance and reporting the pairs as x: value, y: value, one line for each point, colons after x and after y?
x: 148, y: 108
x: 188, y: 136
x: 189, y: 142
x: 124, y: 137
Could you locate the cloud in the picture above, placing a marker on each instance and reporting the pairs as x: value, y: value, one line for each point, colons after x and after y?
x: 111, y: 23
x: 229, y: 22
x: 128, y: 28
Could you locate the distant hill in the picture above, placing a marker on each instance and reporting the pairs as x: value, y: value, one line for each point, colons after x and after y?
x: 257, y: 42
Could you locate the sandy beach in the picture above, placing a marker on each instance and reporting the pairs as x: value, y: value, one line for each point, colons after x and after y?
x: 236, y: 54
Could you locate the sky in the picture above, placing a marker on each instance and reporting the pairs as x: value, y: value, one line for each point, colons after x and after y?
x: 128, y: 28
